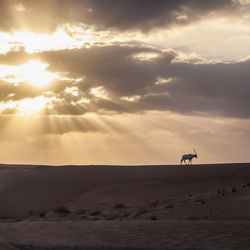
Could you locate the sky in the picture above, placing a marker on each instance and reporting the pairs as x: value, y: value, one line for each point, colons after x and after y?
x: 124, y: 81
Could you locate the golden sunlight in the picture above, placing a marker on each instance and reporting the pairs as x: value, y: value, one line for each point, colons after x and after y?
x: 99, y: 92
x: 30, y: 106
x: 33, y: 73
x: 27, y: 106
x: 34, y: 42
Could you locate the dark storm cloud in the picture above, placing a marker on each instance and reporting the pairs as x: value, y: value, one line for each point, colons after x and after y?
x: 111, y: 65
x: 105, y: 14
x: 191, y: 86
x: 218, y: 88
x: 148, y: 14
x: 215, y: 88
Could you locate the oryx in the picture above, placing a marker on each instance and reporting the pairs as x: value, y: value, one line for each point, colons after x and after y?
x: 188, y: 157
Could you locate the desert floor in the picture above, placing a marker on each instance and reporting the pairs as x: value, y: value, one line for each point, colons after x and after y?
x: 125, y: 207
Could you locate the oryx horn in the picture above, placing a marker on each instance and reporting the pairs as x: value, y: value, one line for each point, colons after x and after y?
x: 194, y: 151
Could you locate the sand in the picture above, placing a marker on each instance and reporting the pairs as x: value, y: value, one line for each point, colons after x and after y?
x: 157, y: 207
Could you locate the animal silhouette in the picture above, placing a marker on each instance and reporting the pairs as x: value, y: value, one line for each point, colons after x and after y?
x: 189, y: 157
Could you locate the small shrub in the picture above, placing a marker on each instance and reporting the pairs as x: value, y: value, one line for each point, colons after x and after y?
x: 203, y: 202
x: 119, y: 206
x: 153, y: 217
x: 243, y: 185
x: 125, y: 214
x: 233, y: 190
x: 248, y: 184
x: 221, y: 191
x: 94, y: 213
x: 42, y: 214
x: 62, y: 210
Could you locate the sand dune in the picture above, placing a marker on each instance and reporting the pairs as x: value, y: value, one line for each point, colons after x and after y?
x: 154, y: 206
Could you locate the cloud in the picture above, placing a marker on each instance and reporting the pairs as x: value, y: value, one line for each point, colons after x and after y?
x: 123, y: 15
x: 9, y: 91
x: 186, y: 86
x: 217, y: 88
x: 15, y: 57
x: 112, y: 65
x: 146, y: 15
x: 130, y: 80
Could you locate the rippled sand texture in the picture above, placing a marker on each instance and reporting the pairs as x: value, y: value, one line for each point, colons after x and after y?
x: 205, y: 206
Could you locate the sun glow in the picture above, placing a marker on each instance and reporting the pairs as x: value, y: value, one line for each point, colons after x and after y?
x: 33, y: 73
x: 27, y: 106
x: 30, y: 106
x: 35, y: 42
x: 67, y: 36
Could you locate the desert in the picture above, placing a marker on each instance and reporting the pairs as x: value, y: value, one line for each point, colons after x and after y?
x: 125, y: 207
x: 124, y: 125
